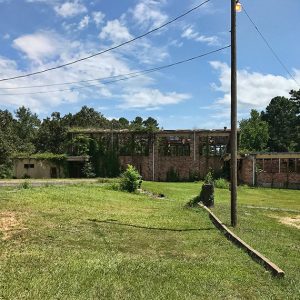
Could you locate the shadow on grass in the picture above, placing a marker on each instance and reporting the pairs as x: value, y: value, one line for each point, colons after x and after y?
x: 115, y: 222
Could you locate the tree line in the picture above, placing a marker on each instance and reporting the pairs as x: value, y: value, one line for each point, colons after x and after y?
x: 276, y: 129
x: 24, y: 132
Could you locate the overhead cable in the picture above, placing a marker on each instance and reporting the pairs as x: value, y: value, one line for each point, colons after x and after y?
x: 109, y: 49
x: 124, y: 76
x: 269, y: 46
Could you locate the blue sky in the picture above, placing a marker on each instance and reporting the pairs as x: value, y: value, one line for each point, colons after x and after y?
x: 38, y: 34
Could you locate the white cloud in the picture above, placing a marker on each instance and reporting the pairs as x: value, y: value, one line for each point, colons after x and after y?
x: 147, y: 13
x: 84, y: 22
x: 70, y: 9
x: 8, y: 67
x: 98, y: 17
x: 108, y: 64
x: 190, y: 34
x: 51, y: 49
x: 115, y: 32
x: 151, y: 98
x: 255, y: 90
x: 39, y: 46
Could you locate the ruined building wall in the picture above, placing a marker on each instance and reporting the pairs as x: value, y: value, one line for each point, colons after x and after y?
x: 160, y: 156
x: 272, y: 170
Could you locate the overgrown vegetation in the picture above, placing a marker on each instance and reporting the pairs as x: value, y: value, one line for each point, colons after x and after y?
x: 209, y: 179
x: 221, y: 183
x: 130, y: 179
x: 24, y: 132
x: 88, y: 170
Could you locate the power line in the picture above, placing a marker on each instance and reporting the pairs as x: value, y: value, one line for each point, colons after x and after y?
x: 109, y: 49
x: 66, y: 83
x: 125, y: 76
x: 269, y: 46
x: 84, y: 81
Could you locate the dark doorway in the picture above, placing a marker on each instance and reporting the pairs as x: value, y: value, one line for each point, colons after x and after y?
x: 75, y: 169
x: 53, y: 172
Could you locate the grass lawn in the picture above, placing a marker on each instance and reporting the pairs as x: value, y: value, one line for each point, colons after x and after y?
x: 76, y: 242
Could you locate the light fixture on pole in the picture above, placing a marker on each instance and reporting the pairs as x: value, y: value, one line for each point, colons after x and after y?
x: 238, y: 6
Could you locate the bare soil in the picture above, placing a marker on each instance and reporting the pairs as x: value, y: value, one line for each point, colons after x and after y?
x: 291, y: 221
x: 9, y: 223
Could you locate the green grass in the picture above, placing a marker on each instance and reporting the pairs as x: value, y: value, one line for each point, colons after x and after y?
x: 75, y: 242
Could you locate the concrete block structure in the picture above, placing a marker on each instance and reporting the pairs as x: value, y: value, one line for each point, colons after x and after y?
x: 36, y: 168
x: 33, y: 167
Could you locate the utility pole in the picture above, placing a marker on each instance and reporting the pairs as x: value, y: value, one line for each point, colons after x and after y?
x: 233, y: 134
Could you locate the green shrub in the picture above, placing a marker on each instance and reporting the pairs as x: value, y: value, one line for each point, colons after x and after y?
x: 209, y: 179
x: 130, y: 179
x: 5, y: 171
x: 88, y: 170
x: 221, y: 183
x: 113, y: 186
x: 25, y: 185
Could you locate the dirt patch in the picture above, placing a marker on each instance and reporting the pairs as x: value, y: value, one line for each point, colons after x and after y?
x: 150, y: 194
x: 291, y: 221
x: 9, y: 224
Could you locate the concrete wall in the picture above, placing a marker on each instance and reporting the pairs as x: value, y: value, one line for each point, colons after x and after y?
x: 41, y: 168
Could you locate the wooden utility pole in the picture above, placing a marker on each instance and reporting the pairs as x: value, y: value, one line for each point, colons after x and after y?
x: 233, y: 135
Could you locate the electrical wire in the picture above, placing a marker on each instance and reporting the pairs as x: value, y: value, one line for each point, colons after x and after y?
x: 125, y: 76
x: 109, y: 49
x: 269, y: 46
x: 66, y: 83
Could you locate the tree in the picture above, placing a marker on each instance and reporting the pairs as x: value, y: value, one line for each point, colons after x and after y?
x: 88, y: 118
x: 9, y: 142
x: 295, y: 98
x: 254, y: 133
x: 124, y: 123
x: 137, y: 124
x: 151, y: 124
x: 80, y: 145
x: 52, y: 135
x: 281, y: 116
x: 26, y: 128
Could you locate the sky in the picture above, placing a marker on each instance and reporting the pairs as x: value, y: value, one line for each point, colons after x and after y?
x: 40, y: 34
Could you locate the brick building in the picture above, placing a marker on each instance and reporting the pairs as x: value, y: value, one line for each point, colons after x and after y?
x: 161, y: 155
x: 169, y: 155
x: 279, y: 170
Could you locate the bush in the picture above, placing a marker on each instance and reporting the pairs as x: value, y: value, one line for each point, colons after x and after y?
x: 5, y: 171
x: 130, y: 179
x: 208, y: 179
x: 25, y: 185
x: 113, y: 186
x: 88, y: 170
x: 221, y: 183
